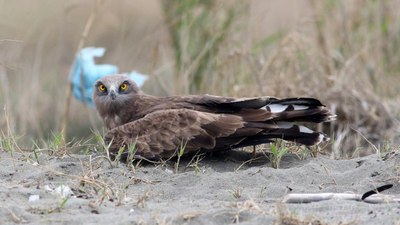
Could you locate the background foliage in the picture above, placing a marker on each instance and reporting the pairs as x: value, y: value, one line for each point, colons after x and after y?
x: 345, y: 53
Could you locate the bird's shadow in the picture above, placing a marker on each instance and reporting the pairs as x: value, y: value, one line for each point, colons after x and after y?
x: 226, y: 161
x: 239, y: 160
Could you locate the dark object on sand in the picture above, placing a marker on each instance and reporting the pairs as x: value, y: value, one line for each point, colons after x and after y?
x: 376, y: 191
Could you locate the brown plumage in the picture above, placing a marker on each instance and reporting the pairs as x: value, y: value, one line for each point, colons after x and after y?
x: 159, y: 126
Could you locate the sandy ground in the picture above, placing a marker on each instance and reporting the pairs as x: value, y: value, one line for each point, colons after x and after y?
x: 220, y: 190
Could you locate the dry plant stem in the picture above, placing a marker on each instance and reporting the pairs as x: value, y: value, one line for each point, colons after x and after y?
x: 321, y: 38
x: 67, y: 103
x: 16, y: 218
x: 10, y: 40
x: 9, y: 131
x: 195, y: 160
x: 366, y: 139
x: 248, y: 161
x: 306, y: 198
x: 329, y: 174
x: 258, y: 75
x: 192, y: 67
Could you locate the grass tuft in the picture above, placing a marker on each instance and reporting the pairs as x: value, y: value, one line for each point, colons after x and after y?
x: 278, y: 150
x: 180, y: 152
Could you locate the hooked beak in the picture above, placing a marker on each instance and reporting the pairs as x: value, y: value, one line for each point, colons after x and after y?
x: 113, y: 95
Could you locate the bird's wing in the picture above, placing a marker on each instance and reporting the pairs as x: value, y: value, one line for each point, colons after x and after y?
x: 264, y: 108
x: 250, y: 109
x: 229, y: 104
x: 162, y: 133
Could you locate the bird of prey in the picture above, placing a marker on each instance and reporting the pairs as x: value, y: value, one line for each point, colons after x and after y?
x: 159, y: 126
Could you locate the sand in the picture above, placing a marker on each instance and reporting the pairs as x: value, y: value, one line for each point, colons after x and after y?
x: 218, y: 190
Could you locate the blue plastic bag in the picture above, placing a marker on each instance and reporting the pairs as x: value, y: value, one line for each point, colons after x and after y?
x: 84, y: 64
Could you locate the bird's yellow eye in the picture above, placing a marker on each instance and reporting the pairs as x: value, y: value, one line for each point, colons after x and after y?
x: 102, y: 88
x: 124, y: 86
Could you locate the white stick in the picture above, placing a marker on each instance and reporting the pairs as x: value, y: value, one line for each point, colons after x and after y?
x: 307, y: 198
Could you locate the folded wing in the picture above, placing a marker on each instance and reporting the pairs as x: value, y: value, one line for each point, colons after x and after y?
x: 160, y: 134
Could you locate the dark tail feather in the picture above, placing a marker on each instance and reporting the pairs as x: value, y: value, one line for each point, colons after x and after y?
x: 298, y: 101
x: 299, y: 137
x: 314, y: 115
x: 286, y: 131
x: 307, y: 139
x: 288, y: 109
x: 254, y: 140
x: 274, y: 118
x: 300, y: 109
x: 256, y: 103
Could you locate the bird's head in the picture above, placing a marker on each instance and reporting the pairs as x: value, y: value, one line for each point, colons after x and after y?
x: 113, y: 92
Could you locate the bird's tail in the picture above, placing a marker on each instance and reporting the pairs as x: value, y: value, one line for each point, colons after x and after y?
x: 300, y: 110
x: 287, y: 131
x: 283, y: 116
x: 288, y: 109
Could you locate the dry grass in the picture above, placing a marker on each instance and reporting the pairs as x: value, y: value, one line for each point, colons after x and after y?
x: 344, y: 53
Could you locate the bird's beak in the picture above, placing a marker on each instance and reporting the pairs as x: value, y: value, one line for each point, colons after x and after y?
x: 113, y: 95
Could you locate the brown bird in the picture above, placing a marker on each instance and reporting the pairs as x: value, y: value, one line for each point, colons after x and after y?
x: 159, y: 126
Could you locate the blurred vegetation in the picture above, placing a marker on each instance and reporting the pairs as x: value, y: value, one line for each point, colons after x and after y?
x: 197, y: 29
x: 342, y: 52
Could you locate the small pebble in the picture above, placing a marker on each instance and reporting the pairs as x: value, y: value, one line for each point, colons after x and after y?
x: 34, y: 198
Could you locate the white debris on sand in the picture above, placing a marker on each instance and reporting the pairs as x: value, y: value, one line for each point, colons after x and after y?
x: 34, y: 198
x: 62, y: 190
